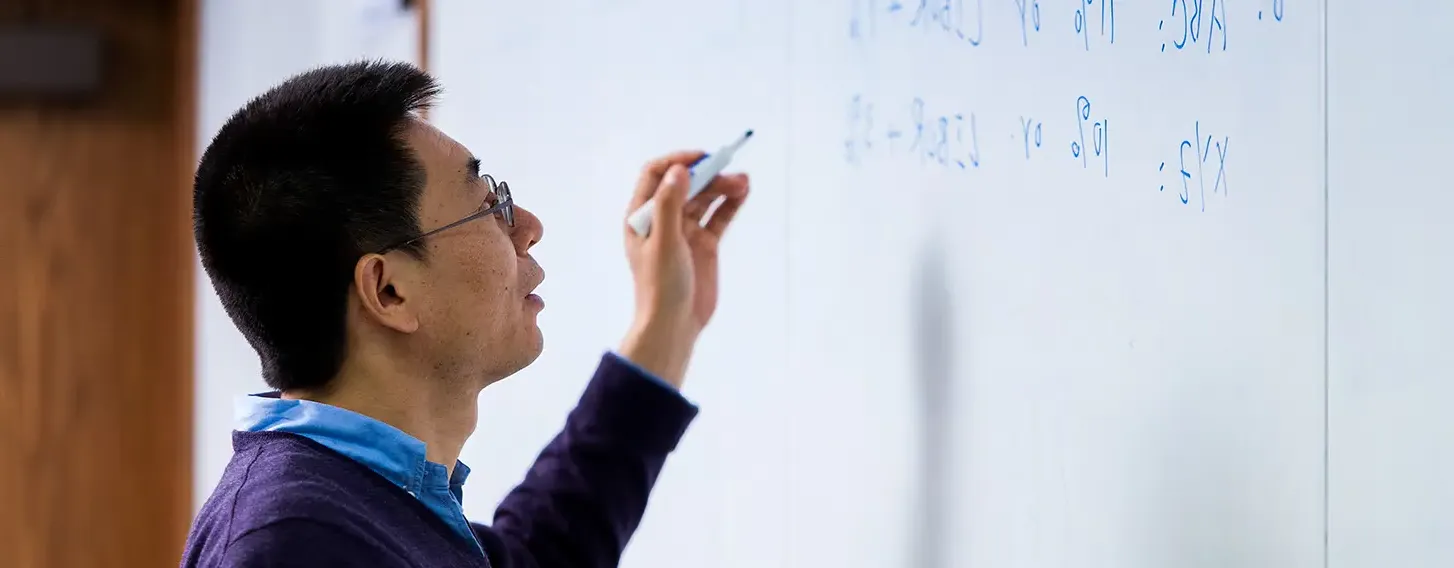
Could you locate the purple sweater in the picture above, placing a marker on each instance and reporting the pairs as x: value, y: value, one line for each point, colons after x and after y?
x: 285, y: 500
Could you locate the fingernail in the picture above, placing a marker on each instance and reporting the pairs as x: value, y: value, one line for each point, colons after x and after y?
x: 672, y: 174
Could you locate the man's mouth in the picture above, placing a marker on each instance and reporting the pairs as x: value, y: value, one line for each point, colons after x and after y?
x: 539, y: 279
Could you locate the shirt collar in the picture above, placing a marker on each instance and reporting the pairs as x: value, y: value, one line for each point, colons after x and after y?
x: 387, y: 450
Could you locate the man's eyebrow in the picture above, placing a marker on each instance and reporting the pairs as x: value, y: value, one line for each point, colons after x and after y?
x: 472, y: 170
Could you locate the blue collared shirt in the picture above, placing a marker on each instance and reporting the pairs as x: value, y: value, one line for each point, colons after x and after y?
x: 388, y: 451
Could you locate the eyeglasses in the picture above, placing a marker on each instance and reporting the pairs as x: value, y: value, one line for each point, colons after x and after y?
x: 498, y: 202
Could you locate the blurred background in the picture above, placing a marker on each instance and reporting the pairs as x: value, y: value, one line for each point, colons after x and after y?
x: 1021, y: 284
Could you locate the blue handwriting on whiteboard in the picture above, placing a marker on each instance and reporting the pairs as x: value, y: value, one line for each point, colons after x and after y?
x: 944, y: 16
x: 1194, y: 23
x: 1200, y: 151
x: 948, y: 139
x: 1029, y: 15
x: 1083, y: 18
x: 1032, y: 132
x: 1277, y: 10
x: 1099, y: 131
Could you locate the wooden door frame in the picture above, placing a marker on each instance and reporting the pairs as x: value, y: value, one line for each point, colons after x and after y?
x: 96, y: 317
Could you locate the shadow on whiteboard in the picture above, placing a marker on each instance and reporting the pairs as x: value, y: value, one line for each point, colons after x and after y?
x: 933, y: 358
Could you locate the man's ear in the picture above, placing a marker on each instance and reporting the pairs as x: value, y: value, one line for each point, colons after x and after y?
x: 385, y: 293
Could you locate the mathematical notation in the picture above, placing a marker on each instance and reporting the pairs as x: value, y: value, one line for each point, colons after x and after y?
x: 949, y: 139
x: 1194, y: 23
x: 1186, y: 25
x: 1089, y: 24
x: 1029, y: 19
x: 961, y: 20
x: 935, y: 136
x: 1098, y: 130
x: 1032, y: 135
x: 1199, y: 151
x: 1278, y: 7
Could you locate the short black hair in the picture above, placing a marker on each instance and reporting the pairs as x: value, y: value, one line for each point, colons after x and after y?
x: 296, y: 187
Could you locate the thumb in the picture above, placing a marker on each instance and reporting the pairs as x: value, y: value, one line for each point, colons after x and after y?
x: 671, y: 198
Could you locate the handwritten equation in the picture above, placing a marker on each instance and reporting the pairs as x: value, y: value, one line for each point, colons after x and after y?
x: 951, y: 138
x: 959, y: 20
x: 947, y: 139
x: 1186, y: 25
x: 1203, y: 23
x: 1190, y: 168
x: 1090, y: 145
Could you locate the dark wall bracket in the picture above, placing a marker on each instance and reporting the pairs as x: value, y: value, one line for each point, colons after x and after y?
x: 43, y: 61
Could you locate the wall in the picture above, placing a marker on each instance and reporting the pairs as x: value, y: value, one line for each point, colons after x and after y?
x: 1387, y: 335
x: 96, y: 306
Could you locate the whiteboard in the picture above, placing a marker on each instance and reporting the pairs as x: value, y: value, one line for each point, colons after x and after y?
x: 1108, y: 217
x: 1391, y: 314
x: 1138, y: 363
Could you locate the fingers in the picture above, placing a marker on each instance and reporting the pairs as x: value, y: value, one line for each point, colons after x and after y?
x: 650, y: 179
x: 671, y: 198
x: 721, y: 185
x: 736, y: 195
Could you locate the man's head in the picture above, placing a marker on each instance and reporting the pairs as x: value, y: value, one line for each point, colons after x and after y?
x: 299, y: 203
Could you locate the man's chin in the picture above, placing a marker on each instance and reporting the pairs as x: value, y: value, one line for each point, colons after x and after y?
x: 537, y: 346
x: 530, y: 352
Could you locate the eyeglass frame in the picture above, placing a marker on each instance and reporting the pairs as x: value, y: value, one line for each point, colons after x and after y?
x: 504, y: 205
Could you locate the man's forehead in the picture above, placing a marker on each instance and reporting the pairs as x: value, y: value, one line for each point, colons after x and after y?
x: 446, y: 170
x: 434, y: 145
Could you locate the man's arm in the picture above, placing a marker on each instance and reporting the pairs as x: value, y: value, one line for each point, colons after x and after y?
x: 299, y: 543
x: 584, y: 497
x: 586, y: 494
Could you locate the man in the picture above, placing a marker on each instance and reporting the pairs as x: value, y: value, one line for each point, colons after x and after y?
x: 385, y: 280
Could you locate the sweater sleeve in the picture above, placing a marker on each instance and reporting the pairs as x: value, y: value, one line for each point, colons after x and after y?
x: 587, y: 491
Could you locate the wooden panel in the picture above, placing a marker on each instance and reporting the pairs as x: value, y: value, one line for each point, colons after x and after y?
x: 96, y: 304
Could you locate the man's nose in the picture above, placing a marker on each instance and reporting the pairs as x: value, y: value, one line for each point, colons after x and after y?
x: 528, y: 229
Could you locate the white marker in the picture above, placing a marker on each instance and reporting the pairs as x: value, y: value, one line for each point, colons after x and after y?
x: 703, y: 171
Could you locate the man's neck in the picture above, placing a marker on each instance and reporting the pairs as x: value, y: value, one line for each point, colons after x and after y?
x: 439, y: 412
